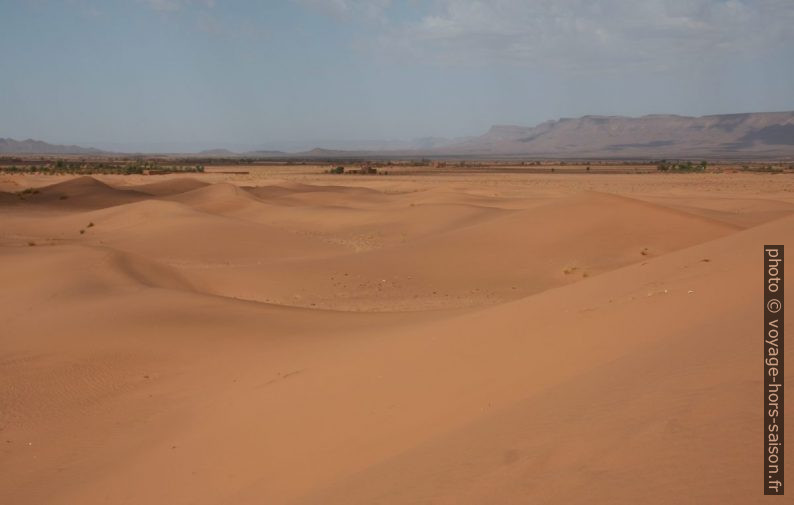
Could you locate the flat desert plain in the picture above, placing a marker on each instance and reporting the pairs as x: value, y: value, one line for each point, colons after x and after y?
x: 291, y: 337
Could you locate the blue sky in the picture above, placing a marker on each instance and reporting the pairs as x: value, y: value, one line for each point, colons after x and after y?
x: 275, y: 74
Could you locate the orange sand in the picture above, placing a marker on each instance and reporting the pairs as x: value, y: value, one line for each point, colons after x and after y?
x: 290, y: 337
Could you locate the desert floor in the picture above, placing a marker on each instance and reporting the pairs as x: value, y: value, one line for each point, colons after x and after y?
x: 292, y: 337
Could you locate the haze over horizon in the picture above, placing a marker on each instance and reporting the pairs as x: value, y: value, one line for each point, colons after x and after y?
x: 213, y: 74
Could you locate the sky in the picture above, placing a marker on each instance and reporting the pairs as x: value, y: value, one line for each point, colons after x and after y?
x: 242, y: 74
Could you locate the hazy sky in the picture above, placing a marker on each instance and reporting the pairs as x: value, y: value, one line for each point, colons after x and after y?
x: 260, y: 72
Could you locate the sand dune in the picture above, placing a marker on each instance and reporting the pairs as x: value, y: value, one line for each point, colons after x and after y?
x: 419, y: 341
x: 483, y: 261
x: 84, y: 193
x: 169, y: 186
x: 625, y: 408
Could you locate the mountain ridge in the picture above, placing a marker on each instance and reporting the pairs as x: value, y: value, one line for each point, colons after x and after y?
x: 31, y: 146
x: 740, y: 135
x: 656, y: 135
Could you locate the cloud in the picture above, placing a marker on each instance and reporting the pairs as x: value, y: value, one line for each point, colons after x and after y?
x: 175, y: 5
x: 207, y: 23
x: 593, y: 33
x: 348, y: 9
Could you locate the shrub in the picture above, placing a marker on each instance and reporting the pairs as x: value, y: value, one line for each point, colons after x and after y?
x: 687, y: 166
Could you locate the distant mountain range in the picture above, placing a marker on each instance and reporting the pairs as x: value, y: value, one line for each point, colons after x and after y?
x: 766, y: 134
x: 30, y: 146
x: 751, y: 135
